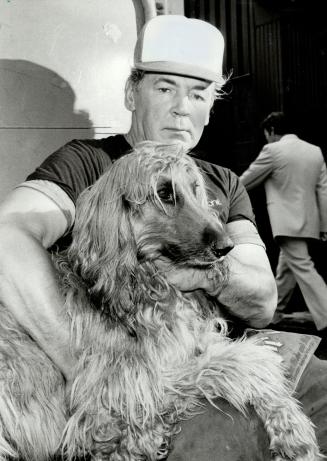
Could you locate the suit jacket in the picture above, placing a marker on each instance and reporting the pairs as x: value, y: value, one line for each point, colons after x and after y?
x: 294, y: 174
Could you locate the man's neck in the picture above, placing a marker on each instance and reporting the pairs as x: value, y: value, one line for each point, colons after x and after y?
x: 129, y: 138
x: 134, y: 136
x: 274, y: 138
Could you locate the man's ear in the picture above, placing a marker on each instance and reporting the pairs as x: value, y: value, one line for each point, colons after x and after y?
x: 209, y: 113
x: 210, y: 109
x: 207, y: 117
x: 129, y: 96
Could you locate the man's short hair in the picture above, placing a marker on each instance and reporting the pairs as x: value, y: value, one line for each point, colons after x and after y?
x: 136, y: 76
x: 277, y: 121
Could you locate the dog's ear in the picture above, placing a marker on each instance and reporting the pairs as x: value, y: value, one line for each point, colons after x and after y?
x: 103, y: 251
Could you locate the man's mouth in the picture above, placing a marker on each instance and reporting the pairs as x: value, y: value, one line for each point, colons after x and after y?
x: 177, y: 130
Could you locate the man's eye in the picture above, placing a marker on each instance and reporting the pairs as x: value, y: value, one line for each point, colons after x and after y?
x: 198, y: 97
x: 164, y: 90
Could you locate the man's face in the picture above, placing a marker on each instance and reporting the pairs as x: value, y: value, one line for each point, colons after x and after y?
x: 171, y: 109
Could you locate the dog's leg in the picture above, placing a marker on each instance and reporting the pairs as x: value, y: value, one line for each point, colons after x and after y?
x: 31, y: 400
x: 32, y: 433
x: 245, y: 373
x: 291, y: 433
x: 100, y: 423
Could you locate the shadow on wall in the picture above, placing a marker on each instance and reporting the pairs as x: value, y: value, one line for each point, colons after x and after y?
x: 37, y: 116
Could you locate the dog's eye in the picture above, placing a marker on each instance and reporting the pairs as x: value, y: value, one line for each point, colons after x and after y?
x: 166, y: 195
x: 196, y: 187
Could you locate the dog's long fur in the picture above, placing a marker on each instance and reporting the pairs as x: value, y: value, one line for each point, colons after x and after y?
x: 148, y: 356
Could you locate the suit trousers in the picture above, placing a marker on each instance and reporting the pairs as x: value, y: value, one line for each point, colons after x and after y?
x: 295, y: 266
x: 227, y: 435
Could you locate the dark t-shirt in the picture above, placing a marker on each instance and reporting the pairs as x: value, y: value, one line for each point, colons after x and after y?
x: 78, y: 164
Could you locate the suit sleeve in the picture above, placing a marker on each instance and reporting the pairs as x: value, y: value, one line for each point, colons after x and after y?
x: 259, y: 170
x: 321, y: 191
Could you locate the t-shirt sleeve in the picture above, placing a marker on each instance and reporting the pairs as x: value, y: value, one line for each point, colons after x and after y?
x: 73, y: 167
x: 241, y: 221
x: 240, y: 204
x: 56, y: 194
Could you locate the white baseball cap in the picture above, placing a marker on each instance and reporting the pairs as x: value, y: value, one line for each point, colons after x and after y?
x: 174, y: 44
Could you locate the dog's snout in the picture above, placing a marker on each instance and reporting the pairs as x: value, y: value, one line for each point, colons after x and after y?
x: 210, y: 235
x: 219, y: 242
x: 222, y: 250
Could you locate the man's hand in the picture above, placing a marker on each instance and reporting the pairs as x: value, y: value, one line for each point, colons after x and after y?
x: 323, y: 236
x: 250, y: 293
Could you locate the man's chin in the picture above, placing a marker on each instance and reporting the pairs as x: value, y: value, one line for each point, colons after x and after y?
x: 186, y: 144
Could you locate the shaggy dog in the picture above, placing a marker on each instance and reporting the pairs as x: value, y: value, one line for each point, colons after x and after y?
x: 147, y: 355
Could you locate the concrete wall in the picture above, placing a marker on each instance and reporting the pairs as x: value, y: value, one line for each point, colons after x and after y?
x: 63, y: 65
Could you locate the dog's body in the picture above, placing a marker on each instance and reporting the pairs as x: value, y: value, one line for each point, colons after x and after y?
x: 147, y: 355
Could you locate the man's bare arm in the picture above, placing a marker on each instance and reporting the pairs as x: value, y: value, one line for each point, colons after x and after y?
x: 30, y: 222
x: 251, y: 293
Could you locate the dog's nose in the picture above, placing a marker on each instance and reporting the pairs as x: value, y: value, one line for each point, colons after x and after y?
x: 219, y: 242
x: 210, y: 235
x: 222, y: 249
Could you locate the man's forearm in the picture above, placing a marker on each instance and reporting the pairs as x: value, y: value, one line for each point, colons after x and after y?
x: 29, y: 289
x: 250, y: 293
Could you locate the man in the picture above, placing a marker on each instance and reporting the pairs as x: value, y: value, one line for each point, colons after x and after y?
x: 177, y: 71
x: 294, y: 174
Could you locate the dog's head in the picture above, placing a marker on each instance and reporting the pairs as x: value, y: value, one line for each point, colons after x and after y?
x: 171, y: 217
x: 150, y: 204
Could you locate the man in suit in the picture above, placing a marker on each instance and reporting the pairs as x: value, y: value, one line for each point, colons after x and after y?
x: 295, y: 179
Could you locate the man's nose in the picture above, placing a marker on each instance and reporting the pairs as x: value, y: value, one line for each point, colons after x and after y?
x: 181, y: 106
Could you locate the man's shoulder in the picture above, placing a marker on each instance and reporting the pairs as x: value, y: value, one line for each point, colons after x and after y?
x: 226, y: 193
x: 79, y: 163
x: 111, y: 146
x: 88, y: 154
x: 310, y: 146
x: 293, y: 138
x: 292, y: 141
x: 213, y: 170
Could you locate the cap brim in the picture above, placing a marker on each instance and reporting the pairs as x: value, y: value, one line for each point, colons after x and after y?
x: 176, y: 68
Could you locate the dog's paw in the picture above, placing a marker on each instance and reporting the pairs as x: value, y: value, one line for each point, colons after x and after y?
x: 312, y: 456
x: 309, y: 457
x: 292, y: 436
